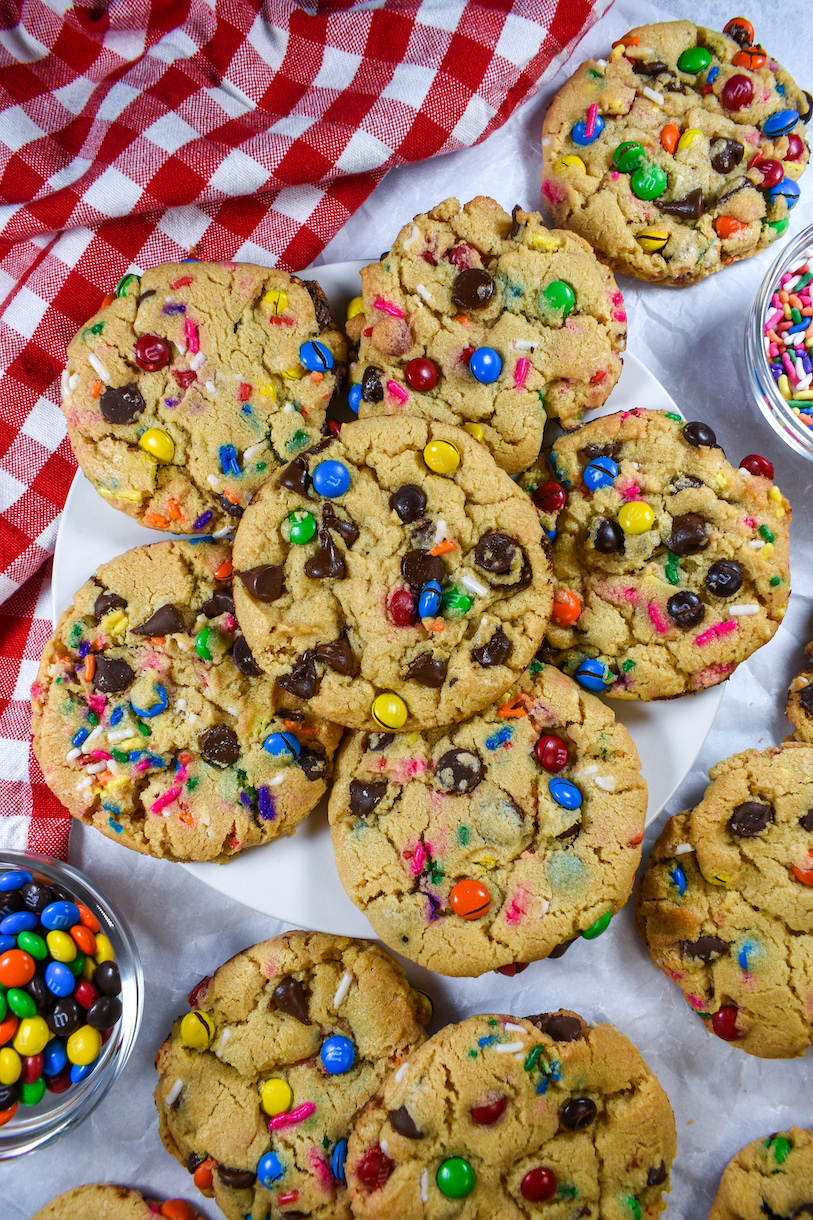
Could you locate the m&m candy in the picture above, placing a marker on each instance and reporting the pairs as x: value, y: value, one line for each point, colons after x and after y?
x: 442, y: 457
x: 316, y: 357
x: 485, y: 365
x: 197, y: 1029
x: 158, y: 444
x: 337, y: 1054
x: 456, y: 1178
x: 470, y: 899
x: 331, y: 479
x: 593, y: 676
x: 389, y: 711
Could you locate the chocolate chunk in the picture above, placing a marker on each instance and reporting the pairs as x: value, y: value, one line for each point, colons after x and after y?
x: 263, y: 583
x: 121, y: 404
x: 106, y: 602
x: 725, y: 154
x: 686, y: 609
x: 289, y: 997
x: 324, y: 318
x: 656, y: 1175
x: 303, y: 680
x: 495, y: 652
x: 682, y: 482
x: 321, y: 446
x: 419, y: 567
x: 687, y: 535
x: 690, y: 207
x: 572, y: 832
x: 724, y: 578
x: 365, y: 796
x: 706, y: 949
x: 428, y: 671
x: 806, y: 822
x: 803, y: 1212
x: 459, y: 771
x: 653, y: 67
x: 220, y: 745
x: 338, y: 655
x: 409, y: 501
x: 231, y: 510
x: 588, y: 452
x: 236, y: 1179
x: 296, y: 477
x: 144, y: 296
x: 371, y: 388
x: 526, y: 573
x: 609, y: 537
x: 750, y: 819
x: 804, y: 115
x: 346, y: 530
x: 111, y: 675
x: 378, y: 741
x: 472, y: 288
x: 806, y: 698
x: 562, y: 949
x: 495, y: 553
x: 193, y: 1161
x: 221, y: 602
x: 243, y: 658
x: 404, y: 1124
x: 559, y: 1026
x: 312, y: 763
x: 578, y: 1113
x: 167, y: 620
x: 516, y: 226
x: 328, y: 562
x: 736, y: 188
x: 699, y: 435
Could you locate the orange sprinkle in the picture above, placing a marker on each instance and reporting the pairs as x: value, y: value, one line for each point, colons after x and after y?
x: 174, y: 509
x: 444, y: 547
x: 108, y: 300
x: 185, y: 759
x: 434, y: 624
x: 225, y: 570
x: 638, y: 839
x: 231, y: 496
x: 155, y: 520
x: 96, y: 389
x: 317, y: 377
x: 301, y: 730
x: 463, y: 319
x: 186, y: 818
x: 794, y: 301
x: 90, y: 667
x: 669, y: 137
x: 512, y: 709
x: 628, y: 42
x: 157, y: 640
x: 783, y: 297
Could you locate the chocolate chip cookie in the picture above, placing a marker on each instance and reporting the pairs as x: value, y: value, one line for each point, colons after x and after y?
x: 106, y: 1202
x: 193, y: 383
x: 769, y: 1179
x: 678, y: 153
x: 671, y: 565
x: 153, y: 723
x: 799, y: 707
x: 725, y: 906
x: 489, y: 321
x: 394, y: 577
x: 499, y: 840
x: 497, y: 1115
x: 260, y: 1083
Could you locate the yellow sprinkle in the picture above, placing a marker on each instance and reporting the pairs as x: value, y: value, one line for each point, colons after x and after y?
x: 784, y: 387
x: 487, y: 862
x: 688, y: 138
x: 806, y: 395
x: 570, y: 162
x: 276, y: 300
x: 268, y: 391
x: 132, y: 497
x: 130, y: 743
x: 543, y: 241
x: 356, y: 306
x: 721, y: 480
x: 779, y: 512
x: 114, y: 623
x: 775, y: 494
x: 617, y: 52
x: 780, y: 612
x: 767, y: 550
x: 118, y: 782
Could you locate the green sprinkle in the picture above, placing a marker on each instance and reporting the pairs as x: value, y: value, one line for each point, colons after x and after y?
x: 119, y: 756
x: 325, y: 1142
x: 634, y: 1206
x: 673, y: 415
x: 191, y: 784
x: 765, y: 533
x: 530, y: 1062
x: 567, y: 1192
x: 627, y: 666
x: 462, y: 835
x: 492, y: 1022
x: 143, y: 730
x: 93, y: 718
x: 775, y: 580
x: 260, y: 466
x: 76, y: 633
x: 595, y: 75
x: 472, y: 1054
x: 536, y: 667
x: 672, y: 568
x: 436, y: 876
x: 298, y: 439
x: 780, y: 1148
x: 796, y: 316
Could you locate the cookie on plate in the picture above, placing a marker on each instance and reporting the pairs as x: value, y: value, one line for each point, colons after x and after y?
x: 671, y: 565
x: 677, y: 154
x: 496, y: 1115
x: 725, y: 906
x: 489, y: 321
x: 799, y: 707
x: 153, y: 723
x: 194, y: 383
x: 260, y: 1083
x: 498, y: 840
x: 769, y: 1179
x: 103, y: 1201
x: 394, y: 577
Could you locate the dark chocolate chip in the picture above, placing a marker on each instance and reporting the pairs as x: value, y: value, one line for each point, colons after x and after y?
x: 572, y: 832
x: 495, y: 553
x: 588, y: 452
x: 303, y: 680
x: 221, y: 602
x: 428, y: 671
x: 526, y: 573
x: 111, y: 675
x: 324, y: 318
x: 609, y: 537
x: 805, y: 1211
x: 725, y: 154
x: 559, y: 1026
x: 236, y: 1179
x: 167, y: 620
x: 409, y: 501
x: 231, y: 510
x: 144, y: 296
x: 686, y: 609
x: 699, y: 435
x: 322, y: 445
x: 263, y: 583
x: 750, y: 819
x: 313, y: 764
x: 220, y: 745
x: 472, y: 288
x: 806, y: 698
x: 365, y: 796
x: 690, y: 207
x: 296, y: 477
x: 121, y: 404
x: 562, y: 949
x: 724, y: 578
x: 404, y: 1124
x: 495, y: 652
x: 419, y: 567
x: 459, y: 771
x: 688, y: 535
x: 243, y: 658
x: 193, y: 1161
x: 656, y: 1175
x: 289, y: 997
x: 578, y: 1113
x: 806, y: 823
x: 706, y: 949
x: 346, y: 530
x: 328, y: 562
x: 653, y: 67
x: 378, y: 741
x: 808, y: 109
x: 371, y: 388
x: 106, y: 602
x: 516, y: 226
x: 338, y: 655
x: 736, y: 188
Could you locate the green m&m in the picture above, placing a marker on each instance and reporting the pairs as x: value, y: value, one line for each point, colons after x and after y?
x: 601, y: 925
x: 455, y: 1178
x: 558, y: 297
x: 648, y: 181
x: 299, y: 527
x: 629, y: 156
x: 456, y: 603
x: 695, y: 60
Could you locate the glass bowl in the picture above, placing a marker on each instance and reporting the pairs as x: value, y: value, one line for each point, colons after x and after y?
x: 32, y: 1126
x: 779, y: 412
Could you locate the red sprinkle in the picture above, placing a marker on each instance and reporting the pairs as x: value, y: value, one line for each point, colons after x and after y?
x: 183, y: 282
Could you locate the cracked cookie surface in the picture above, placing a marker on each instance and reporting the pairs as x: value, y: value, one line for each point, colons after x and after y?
x: 496, y: 1115
x: 768, y: 1179
x: 104, y: 1201
x: 458, y: 280
x: 186, y: 391
x: 270, y: 1012
x: 427, y: 591
x: 725, y: 906
x: 149, y: 714
x: 455, y: 846
x: 799, y: 707
x: 653, y: 154
x: 671, y: 566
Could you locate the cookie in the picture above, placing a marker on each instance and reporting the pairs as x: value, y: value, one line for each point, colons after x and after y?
x: 498, y: 840
x: 194, y: 383
x: 799, y: 707
x: 769, y: 1179
x: 671, y: 566
x: 503, y: 1118
x: 259, y: 1085
x: 489, y: 321
x: 153, y: 723
x: 725, y: 906
x: 105, y: 1202
x: 394, y: 577
x: 677, y: 154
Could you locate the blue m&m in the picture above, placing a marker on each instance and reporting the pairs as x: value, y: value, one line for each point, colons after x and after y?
x: 780, y: 124
x: 787, y: 189
x: 678, y: 879
x: 331, y: 479
x: 316, y: 357
x: 579, y: 134
x: 14, y: 880
x: 485, y: 365
x: 593, y: 676
x: 269, y: 1169
x: 601, y: 472
x: 282, y: 745
x: 429, y: 600
x: 337, y: 1054
x: 59, y: 979
x: 354, y: 398
x: 18, y: 921
x: 59, y: 915
x: 565, y: 794
x: 337, y: 1161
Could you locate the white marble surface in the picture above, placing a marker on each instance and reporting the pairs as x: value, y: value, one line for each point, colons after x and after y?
x: 692, y: 341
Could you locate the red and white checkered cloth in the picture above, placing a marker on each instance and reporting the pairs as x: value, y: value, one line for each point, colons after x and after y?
x: 133, y: 131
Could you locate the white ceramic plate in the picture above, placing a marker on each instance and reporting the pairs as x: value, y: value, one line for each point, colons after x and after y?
x: 295, y: 879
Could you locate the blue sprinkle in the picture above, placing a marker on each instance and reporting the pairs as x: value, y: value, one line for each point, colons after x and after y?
x: 134, y: 755
x: 174, y: 309
x: 116, y: 715
x: 171, y: 402
x: 743, y: 954
x: 267, y: 811
x: 678, y: 879
x: 84, y: 648
x: 202, y: 520
x: 247, y: 409
x: 115, y: 826
x: 499, y: 738
x: 793, y: 330
x: 556, y: 1070
x: 542, y: 1087
x: 780, y: 89
x: 203, y: 538
x: 228, y: 460
x: 245, y: 799
x: 488, y: 1040
x: 156, y: 760
x: 712, y: 74
x: 79, y: 736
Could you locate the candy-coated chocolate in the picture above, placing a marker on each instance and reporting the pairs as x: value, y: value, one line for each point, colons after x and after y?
x: 600, y: 472
x: 84, y: 1046
x: 456, y: 1178
x: 80, y: 1071
x: 557, y: 297
x: 31, y: 1036
x: 688, y: 138
x: 11, y: 1066
x: 788, y: 190
x: 158, y: 444
x: 388, y: 710
x: 648, y: 181
x: 316, y: 357
x: 107, y: 978
x: 269, y: 1169
x: 565, y: 793
x: 755, y: 464
x: 61, y: 947
x: 16, y: 968
x: 724, y: 1023
x: 151, y: 352
x: 441, y: 457
x: 421, y: 374
x: 652, y: 240
x: 83, y: 938
x: 58, y: 979
x: 552, y: 752
x: 470, y: 899
x: 593, y: 676
x: 354, y: 398
x: 629, y: 156
x: 538, y: 1185
x: 566, y: 607
x: 331, y: 479
x: 338, y: 1159
x: 429, y: 600
x: 571, y: 162
x: 796, y: 147
x: 282, y: 745
x: 737, y: 92
x: 596, y: 929
x: 32, y: 1092
x: 54, y: 1057
x: 276, y: 1096
x: 485, y: 365
x: 299, y: 527
x: 474, y: 430
x: 21, y: 1003
x: 59, y: 915
x: 85, y: 995
x: 402, y: 608
x: 741, y: 30
x: 8, y: 1028
x: 355, y: 307
x: 337, y: 1055
x: 780, y: 123
x: 489, y: 1113
x: 772, y: 173
x: 579, y: 133
x: 694, y: 61
x: 18, y: 921
x: 105, y: 1012
x: 197, y: 1029
x: 549, y: 497
x: 456, y: 603
x: 636, y: 517
x: 14, y: 879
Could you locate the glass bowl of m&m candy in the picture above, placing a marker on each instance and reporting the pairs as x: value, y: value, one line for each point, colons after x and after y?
x: 779, y: 345
x: 71, y: 999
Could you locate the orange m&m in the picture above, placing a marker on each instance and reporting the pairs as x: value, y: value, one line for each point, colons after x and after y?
x: 470, y: 899
x: 16, y: 968
x: 669, y: 137
x: 566, y: 607
x: 177, y: 1209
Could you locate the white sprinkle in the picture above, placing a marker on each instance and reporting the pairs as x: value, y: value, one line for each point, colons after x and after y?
x: 97, y: 732
x: 523, y: 345
x: 422, y: 293
x: 233, y: 711
x: 546, y: 141
x: 115, y: 735
x: 112, y: 765
x: 384, y: 1147
x: 743, y: 609
x: 757, y: 544
x: 205, y: 817
x: 585, y: 771
x: 544, y: 907
x: 72, y: 754
x: 440, y: 533
x: 399, y: 1075
x: 96, y: 768
x: 288, y: 409
x: 473, y: 585
x: 84, y: 784
x: 605, y: 782
x: 174, y: 1093
x: 99, y: 367
x: 180, y: 705
x: 181, y: 644
x: 601, y: 63
x: 210, y: 387
x: 224, y: 1036
x: 746, y: 474
x: 517, y: 1029
x: 653, y: 95
x: 197, y: 360
x: 181, y: 349
x: 342, y: 989
x: 509, y: 1048
x: 63, y: 381
x: 683, y: 848
x: 74, y: 381
x: 277, y: 779
x: 212, y: 481
x: 224, y: 533
x: 248, y: 454
x: 424, y: 1186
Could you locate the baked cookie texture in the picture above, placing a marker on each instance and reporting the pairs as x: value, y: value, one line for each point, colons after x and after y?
x: 799, y: 706
x: 725, y: 906
x: 697, y: 145
x: 769, y: 1179
x: 186, y: 390
x: 498, y: 840
x: 671, y: 566
x: 496, y: 1115
x: 152, y: 722
x: 103, y: 1201
x: 426, y: 590
x: 459, y: 281
x: 271, y: 1010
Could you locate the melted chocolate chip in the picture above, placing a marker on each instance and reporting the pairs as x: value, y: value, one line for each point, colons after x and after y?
x: 526, y: 574
x: 378, y: 741
x: 338, y: 655
x: 289, y: 997
x: 167, y: 620
x: 559, y: 1026
x: 365, y: 796
x: 220, y: 745
x: 690, y: 207
x: 121, y: 404
x: 409, y: 502
x: 404, y: 1124
x: 328, y: 562
x: 324, y: 318
x: 472, y: 288
x: 656, y: 1175
x: 803, y: 1212
x: 725, y: 154
x: 236, y: 1179
x: 516, y: 227
x: 106, y: 602
x: 303, y: 680
x: 495, y: 553
x: 495, y: 652
x: 724, y: 578
x: 428, y: 671
x: 578, y: 1113
x: 609, y: 537
x: 346, y: 530
x: 805, y: 114
x: 750, y: 819
x: 144, y: 296
x: 459, y: 771
x: 231, y: 510
x: 588, y: 452
x: 572, y: 832
x: 806, y: 698
x: 736, y: 188
x: 682, y: 482
x: 193, y: 1161
x: 706, y: 949
x: 221, y: 602
x: 562, y: 949
x: 699, y: 435
x: 296, y: 477
x: 806, y: 822
x: 686, y: 609
x: 371, y: 388
x: 111, y: 675
x: 243, y: 658
x: 687, y: 535
x: 653, y: 67
x: 263, y: 583
x: 312, y: 763
x: 419, y: 567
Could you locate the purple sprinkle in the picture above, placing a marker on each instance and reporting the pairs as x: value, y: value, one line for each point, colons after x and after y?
x: 203, y: 519
x: 807, y: 364
x: 434, y: 906
x: 84, y: 648
x: 245, y: 799
x: 777, y: 370
x: 267, y: 812
x: 171, y: 402
x: 174, y: 309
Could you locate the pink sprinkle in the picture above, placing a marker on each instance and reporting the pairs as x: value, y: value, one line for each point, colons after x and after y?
x: 192, y: 335
x: 590, y: 127
x: 631, y: 595
x: 774, y: 318
x: 614, y: 174
x: 521, y: 371
x: 791, y: 371
x: 751, y: 523
x: 36, y: 690
x: 710, y: 676
x: 143, y: 765
x: 100, y: 754
x: 773, y: 350
x: 418, y: 859
x: 696, y: 1002
x: 632, y: 492
x: 297, y: 1115
x: 552, y: 192
x: 619, y: 315
x: 397, y: 390
x: 169, y: 796
x: 386, y: 307
x: 320, y: 1170
x: 658, y: 621
x: 618, y: 298
x: 713, y: 632
x: 96, y: 703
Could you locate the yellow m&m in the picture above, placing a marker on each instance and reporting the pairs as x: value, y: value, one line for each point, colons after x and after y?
x: 11, y: 1066
x: 356, y: 306
x: 31, y: 1037
x: 636, y: 518
x: 688, y: 138
x: 652, y: 240
x: 104, y: 949
x: 158, y: 444
x: 570, y: 162
x: 277, y: 301
x: 474, y: 430
x: 83, y: 1046
x: 276, y: 1096
x: 61, y: 947
x: 389, y: 711
x: 441, y: 457
x: 197, y: 1030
